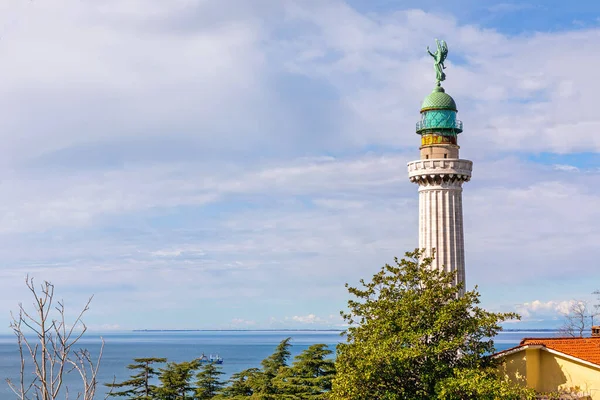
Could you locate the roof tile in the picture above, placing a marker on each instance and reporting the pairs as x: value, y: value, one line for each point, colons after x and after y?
x: 587, y: 349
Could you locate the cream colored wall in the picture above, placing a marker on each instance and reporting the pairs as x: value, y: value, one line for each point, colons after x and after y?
x: 550, y: 372
x: 565, y: 373
x: 439, y: 151
x: 534, y: 368
x: 515, y: 367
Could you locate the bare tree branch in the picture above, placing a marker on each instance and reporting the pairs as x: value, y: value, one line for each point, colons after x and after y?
x: 575, y: 320
x: 52, y: 354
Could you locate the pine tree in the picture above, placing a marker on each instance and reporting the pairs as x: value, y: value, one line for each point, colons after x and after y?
x: 259, y: 384
x: 240, y: 384
x: 208, y: 384
x: 175, y: 381
x: 278, y: 359
x: 309, y: 377
x: 138, y: 387
x: 262, y: 383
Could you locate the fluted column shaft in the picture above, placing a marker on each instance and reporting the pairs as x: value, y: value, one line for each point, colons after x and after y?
x: 440, y: 210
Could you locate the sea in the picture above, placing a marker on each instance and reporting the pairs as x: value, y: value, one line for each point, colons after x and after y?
x: 239, y: 349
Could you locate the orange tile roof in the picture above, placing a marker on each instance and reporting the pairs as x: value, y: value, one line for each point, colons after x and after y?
x: 587, y: 349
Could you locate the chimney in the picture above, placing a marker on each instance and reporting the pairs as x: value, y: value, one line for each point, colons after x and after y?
x: 596, y: 331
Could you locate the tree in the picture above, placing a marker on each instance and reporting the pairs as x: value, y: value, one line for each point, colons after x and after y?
x: 278, y: 359
x: 310, y: 375
x: 138, y: 387
x: 208, y: 384
x: 240, y: 384
x: 575, y: 320
x: 597, y: 305
x: 483, y: 384
x: 409, y: 329
x: 51, y: 349
x: 175, y: 381
x: 262, y: 382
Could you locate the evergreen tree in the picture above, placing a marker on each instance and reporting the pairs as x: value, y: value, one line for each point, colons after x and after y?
x: 240, y: 384
x: 138, y: 387
x: 262, y: 383
x: 208, y: 384
x: 278, y: 359
x: 175, y: 381
x: 409, y: 330
x: 259, y: 384
x: 309, y: 377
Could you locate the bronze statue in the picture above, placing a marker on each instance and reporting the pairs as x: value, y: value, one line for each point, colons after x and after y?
x: 439, y: 56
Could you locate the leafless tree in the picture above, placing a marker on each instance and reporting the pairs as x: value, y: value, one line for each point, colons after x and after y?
x: 576, y: 319
x: 47, y: 342
x: 596, y: 306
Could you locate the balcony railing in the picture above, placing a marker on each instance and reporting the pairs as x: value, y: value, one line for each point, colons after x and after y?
x: 456, y: 125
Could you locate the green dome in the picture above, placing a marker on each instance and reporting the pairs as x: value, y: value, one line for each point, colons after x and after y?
x: 438, y: 100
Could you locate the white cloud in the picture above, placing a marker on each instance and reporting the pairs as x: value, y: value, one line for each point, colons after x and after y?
x: 551, y: 310
x: 112, y: 75
x: 536, y: 307
x: 515, y: 93
x: 104, y: 328
x: 212, y: 162
x: 242, y: 322
x: 330, y: 321
x: 306, y: 319
x: 566, y: 168
x: 287, y: 245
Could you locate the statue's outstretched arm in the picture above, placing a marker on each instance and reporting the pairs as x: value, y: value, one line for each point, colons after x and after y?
x: 430, y: 53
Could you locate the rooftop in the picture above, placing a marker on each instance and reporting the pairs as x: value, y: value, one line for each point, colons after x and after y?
x: 586, y: 349
x: 438, y: 99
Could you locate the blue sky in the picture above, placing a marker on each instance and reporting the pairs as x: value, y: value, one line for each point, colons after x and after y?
x: 229, y: 164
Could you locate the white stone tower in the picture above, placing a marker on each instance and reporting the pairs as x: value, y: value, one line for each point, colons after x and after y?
x: 440, y: 174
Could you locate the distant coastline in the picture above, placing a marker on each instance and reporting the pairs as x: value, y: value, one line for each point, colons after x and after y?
x: 532, y: 330
x: 310, y: 330
x: 238, y: 330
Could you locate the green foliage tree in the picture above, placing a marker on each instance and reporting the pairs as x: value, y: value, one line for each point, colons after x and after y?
x: 410, y: 329
x: 240, y: 385
x: 208, y: 384
x: 483, y: 384
x: 175, y: 381
x: 278, y: 359
x: 310, y: 375
x: 138, y: 387
x: 262, y: 383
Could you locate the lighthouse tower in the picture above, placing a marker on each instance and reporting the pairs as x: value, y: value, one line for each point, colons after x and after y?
x: 440, y: 174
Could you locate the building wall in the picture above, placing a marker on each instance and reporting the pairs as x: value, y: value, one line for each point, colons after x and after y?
x: 439, y: 151
x: 548, y: 372
x: 515, y: 367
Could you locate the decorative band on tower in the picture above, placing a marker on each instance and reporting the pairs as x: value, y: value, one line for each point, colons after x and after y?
x: 440, y: 174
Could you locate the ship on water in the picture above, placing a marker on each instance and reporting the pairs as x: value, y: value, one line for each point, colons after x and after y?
x: 211, y: 359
